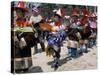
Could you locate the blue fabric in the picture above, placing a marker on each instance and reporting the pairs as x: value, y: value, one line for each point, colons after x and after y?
x: 73, y: 52
x: 69, y: 52
x: 92, y: 42
x: 82, y: 49
x: 56, y: 38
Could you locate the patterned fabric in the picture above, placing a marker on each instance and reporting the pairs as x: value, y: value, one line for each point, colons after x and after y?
x: 56, y: 38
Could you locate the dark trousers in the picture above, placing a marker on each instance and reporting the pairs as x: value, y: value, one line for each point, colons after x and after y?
x: 73, y: 52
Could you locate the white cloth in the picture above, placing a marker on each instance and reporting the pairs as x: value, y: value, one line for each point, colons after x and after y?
x: 22, y: 43
x: 35, y: 19
x: 72, y: 44
x: 74, y: 25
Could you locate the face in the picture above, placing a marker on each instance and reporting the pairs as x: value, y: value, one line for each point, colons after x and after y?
x: 19, y: 13
x: 34, y: 13
x: 56, y: 18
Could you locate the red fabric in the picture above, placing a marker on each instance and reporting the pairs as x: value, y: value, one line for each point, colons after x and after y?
x: 91, y: 14
x: 74, y: 12
x: 84, y: 20
x: 84, y: 12
x: 21, y: 23
x: 76, y: 20
x: 21, y: 4
x: 58, y: 23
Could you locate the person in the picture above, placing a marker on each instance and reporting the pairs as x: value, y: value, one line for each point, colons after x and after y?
x: 92, y: 21
x: 74, y: 17
x: 56, y: 19
x: 72, y: 46
x: 58, y: 15
x: 19, y: 49
x: 18, y: 15
x: 85, y: 31
x: 85, y: 34
x: 93, y: 26
x: 35, y: 20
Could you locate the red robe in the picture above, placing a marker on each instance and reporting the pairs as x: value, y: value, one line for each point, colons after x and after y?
x: 57, y: 23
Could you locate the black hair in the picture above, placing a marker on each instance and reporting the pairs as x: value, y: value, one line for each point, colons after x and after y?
x: 57, y: 15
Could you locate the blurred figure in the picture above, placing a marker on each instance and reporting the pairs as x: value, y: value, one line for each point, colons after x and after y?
x: 72, y: 46
x: 35, y: 20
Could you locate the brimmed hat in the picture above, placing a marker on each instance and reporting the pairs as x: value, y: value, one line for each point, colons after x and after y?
x: 74, y: 12
x: 20, y: 6
x: 84, y: 12
x: 55, y: 10
x: 59, y: 12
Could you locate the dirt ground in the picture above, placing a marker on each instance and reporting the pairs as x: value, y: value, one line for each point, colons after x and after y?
x: 42, y: 63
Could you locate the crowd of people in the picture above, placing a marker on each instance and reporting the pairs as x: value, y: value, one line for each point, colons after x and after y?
x: 78, y: 29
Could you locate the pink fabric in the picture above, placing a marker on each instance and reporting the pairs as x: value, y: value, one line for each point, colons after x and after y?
x: 93, y: 25
x: 35, y: 9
